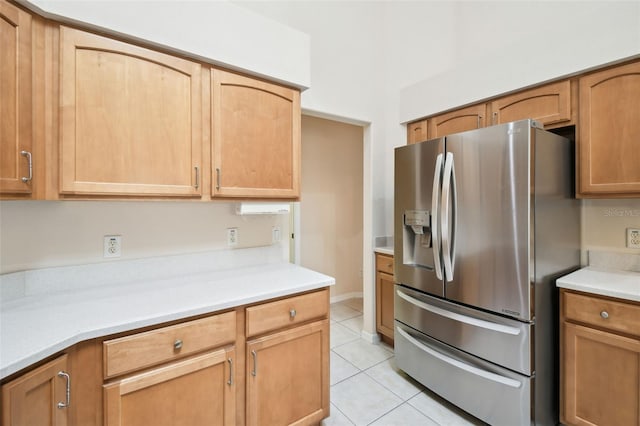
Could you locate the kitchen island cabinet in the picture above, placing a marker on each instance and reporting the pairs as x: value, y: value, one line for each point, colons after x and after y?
x: 16, y: 103
x: 255, y: 126
x: 600, y: 360
x: 609, y: 132
x: 40, y: 397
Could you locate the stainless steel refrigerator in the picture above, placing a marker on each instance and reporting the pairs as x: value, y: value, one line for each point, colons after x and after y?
x: 485, y: 221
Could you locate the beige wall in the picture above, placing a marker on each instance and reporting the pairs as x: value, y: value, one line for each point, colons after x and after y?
x: 38, y: 234
x: 604, y: 224
x: 331, y: 202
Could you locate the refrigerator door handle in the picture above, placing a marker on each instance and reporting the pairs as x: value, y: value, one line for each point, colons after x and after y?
x: 476, y: 322
x: 435, y: 210
x: 459, y: 364
x: 449, y: 196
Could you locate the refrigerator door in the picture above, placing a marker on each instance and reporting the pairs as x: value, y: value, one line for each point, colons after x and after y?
x: 486, y: 208
x: 417, y: 244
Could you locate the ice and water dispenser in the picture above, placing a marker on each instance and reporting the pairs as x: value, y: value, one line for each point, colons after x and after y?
x: 417, y: 239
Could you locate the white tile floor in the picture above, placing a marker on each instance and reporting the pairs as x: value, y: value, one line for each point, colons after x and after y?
x: 368, y: 389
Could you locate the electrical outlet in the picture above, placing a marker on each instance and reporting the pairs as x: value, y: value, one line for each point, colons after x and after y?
x: 112, y: 245
x: 633, y: 238
x: 232, y: 237
x: 275, y: 234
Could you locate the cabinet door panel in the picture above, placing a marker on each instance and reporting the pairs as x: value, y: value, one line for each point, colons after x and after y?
x: 130, y: 119
x: 197, y: 391
x: 33, y: 398
x: 548, y: 104
x: 609, y: 136
x: 15, y: 99
x: 417, y: 131
x: 288, y: 376
x: 601, y: 377
x: 256, y: 138
x: 460, y: 120
x: 384, y: 304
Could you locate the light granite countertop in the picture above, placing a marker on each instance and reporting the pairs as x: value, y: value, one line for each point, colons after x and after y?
x: 37, y: 324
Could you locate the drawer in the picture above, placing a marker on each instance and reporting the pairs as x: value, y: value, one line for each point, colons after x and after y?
x: 384, y: 263
x: 138, y: 351
x: 609, y: 314
x: 285, y: 312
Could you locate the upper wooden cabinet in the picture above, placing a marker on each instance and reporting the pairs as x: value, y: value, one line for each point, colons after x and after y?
x: 417, y: 131
x: 256, y: 138
x: 130, y: 119
x: 16, y: 135
x: 547, y: 104
x: 460, y: 120
x: 609, y: 132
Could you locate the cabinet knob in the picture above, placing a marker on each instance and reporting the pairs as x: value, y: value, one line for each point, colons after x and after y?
x: 604, y: 314
x: 292, y: 313
x: 177, y: 345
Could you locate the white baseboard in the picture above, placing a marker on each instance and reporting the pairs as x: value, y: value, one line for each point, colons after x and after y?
x: 370, y: 337
x: 345, y: 296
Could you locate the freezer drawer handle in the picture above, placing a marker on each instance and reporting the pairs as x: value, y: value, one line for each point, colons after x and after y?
x: 459, y: 317
x: 461, y: 365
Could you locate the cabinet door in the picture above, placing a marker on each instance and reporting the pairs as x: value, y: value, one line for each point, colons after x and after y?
x: 460, y: 120
x: 130, y: 119
x: 548, y: 104
x: 196, y: 391
x: 288, y: 376
x: 256, y: 138
x: 609, y: 135
x: 384, y: 304
x: 15, y: 100
x: 417, y: 132
x: 35, y: 398
x: 600, y: 378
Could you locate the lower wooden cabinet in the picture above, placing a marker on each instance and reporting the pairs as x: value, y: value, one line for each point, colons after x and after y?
x: 288, y: 376
x: 200, y: 371
x: 39, y: 397
x: 384, y: 297
x: 195, y: 391
x: 600, y: 360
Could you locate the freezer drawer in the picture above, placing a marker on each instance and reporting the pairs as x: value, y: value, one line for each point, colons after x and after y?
x: 493, y: 394
x: 501, y: 340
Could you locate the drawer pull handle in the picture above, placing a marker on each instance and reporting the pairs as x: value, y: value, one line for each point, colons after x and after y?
x: 292, y: 313
x: 604, y: 314
x: 390, y: 266
x: 177, y: 345
x: 230, y: 381
x: 68, y: 390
